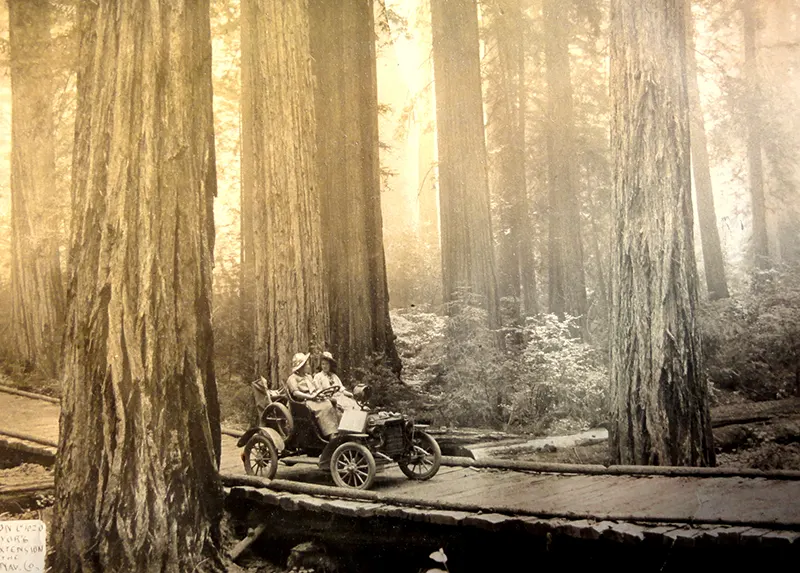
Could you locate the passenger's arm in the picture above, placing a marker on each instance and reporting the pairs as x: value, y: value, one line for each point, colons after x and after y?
x: 296, y: 392
x: 302, y: 395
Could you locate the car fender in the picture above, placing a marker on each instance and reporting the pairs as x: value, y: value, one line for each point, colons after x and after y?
x: 336, y: 441
x: 274, y: 436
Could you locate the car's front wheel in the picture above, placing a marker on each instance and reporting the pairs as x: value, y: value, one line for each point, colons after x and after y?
x: 353, y: 466
x: 424, y: 460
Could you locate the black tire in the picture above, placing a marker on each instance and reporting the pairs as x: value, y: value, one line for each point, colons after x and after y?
x: 278, y: 417
x: 426, y: 459
x: 260, y: 457
x: 353, y: 466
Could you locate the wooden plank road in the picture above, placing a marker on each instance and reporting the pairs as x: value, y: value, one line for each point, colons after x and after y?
x: 761, y: 502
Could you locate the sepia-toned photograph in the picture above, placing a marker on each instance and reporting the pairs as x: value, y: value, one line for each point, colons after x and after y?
x: 399, y: 286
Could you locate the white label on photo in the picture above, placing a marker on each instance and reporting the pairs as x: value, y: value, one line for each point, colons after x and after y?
x: 22, y: 546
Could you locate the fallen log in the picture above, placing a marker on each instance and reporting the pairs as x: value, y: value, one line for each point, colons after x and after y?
x: 28, y: 438
x: 22, y: 497
x: 751, y: 412
x: 10, y: 390
x: 597, y: 469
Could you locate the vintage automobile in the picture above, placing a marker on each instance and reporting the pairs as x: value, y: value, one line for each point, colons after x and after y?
x: 366, y: 441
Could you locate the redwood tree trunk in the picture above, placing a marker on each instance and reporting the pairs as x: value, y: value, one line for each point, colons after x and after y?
x: 248, y: 352
x: 713, y: 261
x: 508, y: 136
x: 37, y: 289
x: 466, y: 230
x: 137, y: 487
x: 659, y: 398
x: 783, y: 123
x: 291, y: 310
x: 565, y: 266
x: 346, y: 98
x: 428, y: 200
x: 754, y: 161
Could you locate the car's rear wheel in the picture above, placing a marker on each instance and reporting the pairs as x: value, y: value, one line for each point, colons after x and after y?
x: 425, y: 458
x: 278, y: 417
x: 353, y: 466
x: 260, y: 457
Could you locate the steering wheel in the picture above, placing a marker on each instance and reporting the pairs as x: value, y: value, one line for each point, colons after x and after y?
x: 326, y: 393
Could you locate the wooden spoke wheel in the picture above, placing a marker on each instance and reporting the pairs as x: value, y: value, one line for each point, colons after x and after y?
x: 260, y: 457
x: 353, y: 466
x: 425, y: 459
x: 278, y: 417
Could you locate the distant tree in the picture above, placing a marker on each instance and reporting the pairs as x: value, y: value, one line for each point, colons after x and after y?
x: 754, y: 136
x: 507, y: 97
x: 778, y: 52
x: 38, y: 305
x: 348, y: 170
x: 713, y: 262
x: 659, y: 398
x: 247, y: 256
x: 567, y: 285
x: 427, y: 191
x: 290, y: 306
x: 466, y: 229
x: 137, y: 486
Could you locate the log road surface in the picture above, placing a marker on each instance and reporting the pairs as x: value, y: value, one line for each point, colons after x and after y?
x: 765, y: 500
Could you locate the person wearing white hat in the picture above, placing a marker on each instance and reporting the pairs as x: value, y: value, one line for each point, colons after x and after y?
x: 327, y: 378
x: 302, y: 387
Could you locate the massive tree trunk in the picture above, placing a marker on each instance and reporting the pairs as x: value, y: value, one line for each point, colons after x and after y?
x: 137, y: 487
x: 760, y: 240
x: 567, y: 285
x: 713, y: 261
x: 37, y: 289
x: 347, y: 162
x: 659, y: 398
x: 466, y: 230
x: 290, y: 297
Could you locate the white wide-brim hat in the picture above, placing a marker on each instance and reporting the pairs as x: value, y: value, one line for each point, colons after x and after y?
x: 298, y: 361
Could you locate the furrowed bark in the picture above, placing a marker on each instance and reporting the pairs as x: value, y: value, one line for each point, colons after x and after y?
x: 347, y: 161
x: 290, y: 297
x: 659, y: 399
x: 137, y: 487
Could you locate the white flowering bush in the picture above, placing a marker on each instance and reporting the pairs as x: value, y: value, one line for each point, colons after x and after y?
x: 548, y: 379
x: 562, y: 378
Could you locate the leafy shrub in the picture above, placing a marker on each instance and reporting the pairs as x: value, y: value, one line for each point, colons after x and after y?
x: 566, y: 379
x: 751, y: 343
x: 540, y: 375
